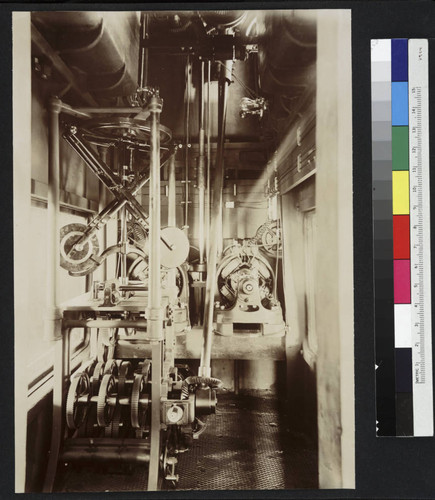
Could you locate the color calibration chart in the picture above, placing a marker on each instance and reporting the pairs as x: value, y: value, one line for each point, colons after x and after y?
x: 401, y: 221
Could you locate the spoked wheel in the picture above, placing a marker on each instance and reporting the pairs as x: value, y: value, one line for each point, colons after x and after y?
x: 122, y: 129
x: 77, y: 259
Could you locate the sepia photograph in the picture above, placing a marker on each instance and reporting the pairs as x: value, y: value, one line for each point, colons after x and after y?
x: 184, y: 319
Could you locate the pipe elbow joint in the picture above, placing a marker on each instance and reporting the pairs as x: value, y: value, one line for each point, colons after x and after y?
x: 55, y: 104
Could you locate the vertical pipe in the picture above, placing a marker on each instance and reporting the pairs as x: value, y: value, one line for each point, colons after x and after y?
x: 58, y: 400
x: 172, y: 220
x: 53, y: 318
x: 216, y: 221
x: 187, y: 144
x: 172, y: 210
x: 143, y: 65
x: 154, y: 310
x: 101, y: 204
x: 156, y: 375
x: 123, y: 243
x: 201, y: 168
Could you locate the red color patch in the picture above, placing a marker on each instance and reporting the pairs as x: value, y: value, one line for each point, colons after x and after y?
x: 401, y: 236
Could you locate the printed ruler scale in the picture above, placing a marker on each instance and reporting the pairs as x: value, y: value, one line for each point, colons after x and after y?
x: 401, y: 213
x: 420, y: 238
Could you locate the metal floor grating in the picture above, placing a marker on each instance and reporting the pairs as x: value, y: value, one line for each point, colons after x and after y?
x: 247, y: 445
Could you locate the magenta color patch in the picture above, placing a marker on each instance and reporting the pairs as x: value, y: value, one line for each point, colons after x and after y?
x: 402, y: 282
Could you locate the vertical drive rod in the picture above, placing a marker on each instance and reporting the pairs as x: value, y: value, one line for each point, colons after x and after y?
x: 172, y: 219
x: 154, y: 310
x: 216, y: 221
x: 53, y: 316
x: 201, y: 168
x: 207, y: 222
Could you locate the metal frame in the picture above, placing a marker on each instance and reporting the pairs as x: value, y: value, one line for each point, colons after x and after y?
x: 59, y: 332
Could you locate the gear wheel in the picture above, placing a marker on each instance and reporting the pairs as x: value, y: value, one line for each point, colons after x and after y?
x: 96, y: 378
x: 139, y: 410
x: 104, y: 409
x: 112, y: 430
x: 76, y: 409
x: 111, y: 368
x: 125, y: 372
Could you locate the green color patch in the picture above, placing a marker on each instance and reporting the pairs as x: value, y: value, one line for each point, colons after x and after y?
x: 400, y: 148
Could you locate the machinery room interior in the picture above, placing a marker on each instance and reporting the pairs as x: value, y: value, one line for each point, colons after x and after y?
x: 184, y: 319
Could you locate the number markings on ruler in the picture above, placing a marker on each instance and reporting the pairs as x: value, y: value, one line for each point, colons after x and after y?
x: 420, y: 238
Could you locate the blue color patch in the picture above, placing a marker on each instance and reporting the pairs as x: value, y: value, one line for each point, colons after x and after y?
x: 399, y: 60
x: 399, y: 103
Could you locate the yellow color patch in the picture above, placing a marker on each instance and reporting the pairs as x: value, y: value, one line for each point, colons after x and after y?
x: 401, y: 192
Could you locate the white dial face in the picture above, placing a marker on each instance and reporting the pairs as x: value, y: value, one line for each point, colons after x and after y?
x: 175, y: 414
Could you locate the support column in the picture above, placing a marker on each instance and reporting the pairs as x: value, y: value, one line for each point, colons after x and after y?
x: 334, y: 259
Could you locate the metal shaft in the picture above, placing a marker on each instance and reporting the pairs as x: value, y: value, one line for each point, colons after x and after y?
x: 187, y: 143
x: 201, y: 169
x: 154, y: 310
x: 216, y: 221
x: 207, y: 221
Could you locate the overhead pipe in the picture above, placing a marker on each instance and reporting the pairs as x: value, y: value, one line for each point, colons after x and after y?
x: 53, y: 318
x: 216, y: 221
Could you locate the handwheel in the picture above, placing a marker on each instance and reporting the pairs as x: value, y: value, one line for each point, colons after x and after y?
x: 105, y: 408
x: 77, y: 400
x: 77, y: 259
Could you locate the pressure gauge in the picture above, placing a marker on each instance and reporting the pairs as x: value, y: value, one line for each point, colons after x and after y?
x: 174, y: 414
